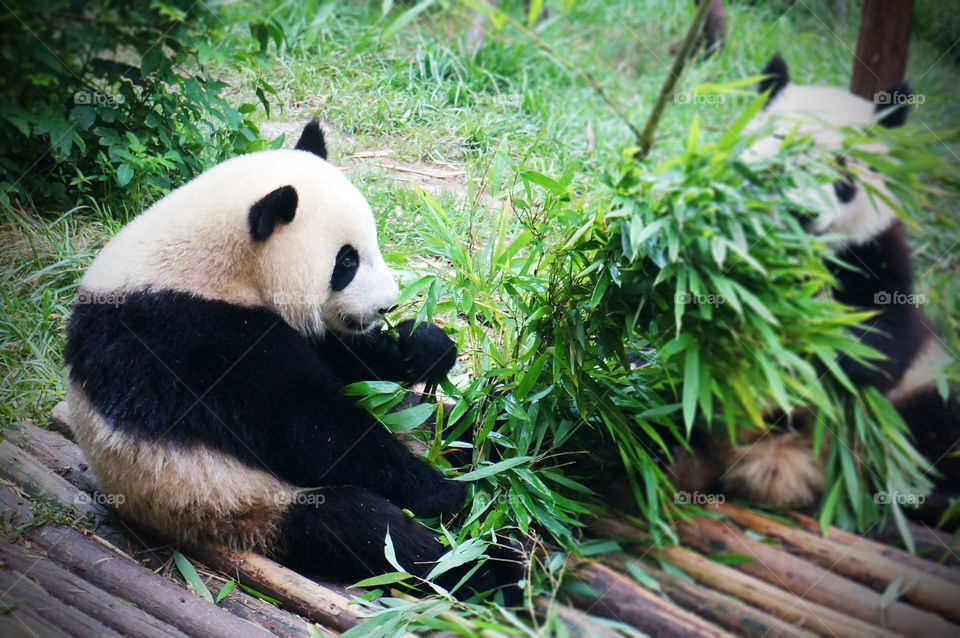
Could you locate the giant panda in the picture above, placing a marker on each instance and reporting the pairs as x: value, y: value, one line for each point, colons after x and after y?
x: 873, y: 273
x: 206, y: 359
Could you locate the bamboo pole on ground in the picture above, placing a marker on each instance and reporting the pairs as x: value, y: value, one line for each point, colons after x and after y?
x: 620, y: 598
x: 921, y: 587
x: 792, y: 609
x: 811, y: 581
x: 842, y: 537
x: 787, y: 607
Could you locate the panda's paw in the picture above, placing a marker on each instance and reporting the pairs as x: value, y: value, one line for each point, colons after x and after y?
x: 779, y: 470
x: 427, y: 352
x: 436, y: 498
x: 503, y: 570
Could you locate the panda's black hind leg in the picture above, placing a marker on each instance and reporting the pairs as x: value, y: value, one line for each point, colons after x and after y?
x: 339, y: 532
x: 935, y: 426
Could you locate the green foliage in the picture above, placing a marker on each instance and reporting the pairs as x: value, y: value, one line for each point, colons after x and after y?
x: 113, y: 100
x: 700, y: 268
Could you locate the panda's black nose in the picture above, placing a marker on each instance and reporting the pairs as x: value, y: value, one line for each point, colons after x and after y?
x: 384, y: 311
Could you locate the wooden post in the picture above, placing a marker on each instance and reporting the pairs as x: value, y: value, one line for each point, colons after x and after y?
x: 881, y: 58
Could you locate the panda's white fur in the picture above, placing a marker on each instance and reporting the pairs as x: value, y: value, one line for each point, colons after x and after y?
x: 207, y: 218
x: 167, y: 486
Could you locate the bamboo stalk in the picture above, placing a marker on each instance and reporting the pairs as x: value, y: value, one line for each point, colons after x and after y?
x: 919, y: 586
x: 778, y: 602
x: 297, y: 593
x: 666, y: 91
x: 729, y: 612
x: 620, y: 598
x: 811, y: 581
x: 772, y: 599
x: 893, y: 553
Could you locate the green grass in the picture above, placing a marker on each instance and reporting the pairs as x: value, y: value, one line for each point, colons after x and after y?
x: 507, y: 108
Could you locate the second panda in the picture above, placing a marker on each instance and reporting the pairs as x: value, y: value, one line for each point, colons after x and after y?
x: 206, y: 358
x: 874, y: 273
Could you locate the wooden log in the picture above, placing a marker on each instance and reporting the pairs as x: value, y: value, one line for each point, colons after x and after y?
x: 276, y: 620
x: 59, y: 454
x: 577, y: 623
x: 27, y: 471
x: 774, y: 600
x: 778, y: 602
x: 881, y: 58
x: 737, y: 616
x: 37, y: 614
x: 811, y: 581
x: 938, y: 545
x: 298, y: 593
x: 921, y: 587
x: 126, y: 579
x: 59, y: 585
x: 893, y: 553
x: 620, y: 598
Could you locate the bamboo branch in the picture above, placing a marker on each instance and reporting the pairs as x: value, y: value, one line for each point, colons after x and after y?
x: 586, y: 76
x: 645, y: 138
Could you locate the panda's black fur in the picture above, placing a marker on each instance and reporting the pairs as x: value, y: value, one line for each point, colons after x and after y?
x: 158, y: 377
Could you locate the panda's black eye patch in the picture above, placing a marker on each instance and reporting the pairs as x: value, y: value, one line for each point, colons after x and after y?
x: 348, y: 260
x: 844, y: 188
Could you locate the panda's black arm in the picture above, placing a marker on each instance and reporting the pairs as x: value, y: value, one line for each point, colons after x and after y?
x: 424, y: 353
x: 350, y: 448
x: 895, y: 334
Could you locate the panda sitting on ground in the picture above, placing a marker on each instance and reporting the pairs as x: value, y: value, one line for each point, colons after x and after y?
x: 206, y: 360
x: 875, y: 274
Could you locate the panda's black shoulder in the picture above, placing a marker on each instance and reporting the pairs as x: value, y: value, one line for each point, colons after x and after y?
x: 180, y: 366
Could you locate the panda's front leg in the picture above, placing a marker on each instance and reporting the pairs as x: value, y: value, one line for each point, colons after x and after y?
x: 386, y: 466
x: 427, y: 354
x: 421, y: 353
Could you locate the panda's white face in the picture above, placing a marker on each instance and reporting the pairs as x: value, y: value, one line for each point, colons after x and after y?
x: 313, y: 259
x: 852, y: 206
x: 324, y: 269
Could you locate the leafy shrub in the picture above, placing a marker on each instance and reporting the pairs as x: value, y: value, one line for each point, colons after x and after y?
x: 700, y: 267
x: 111, y: 100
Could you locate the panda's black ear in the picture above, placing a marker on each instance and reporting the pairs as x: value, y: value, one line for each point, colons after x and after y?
x: 277, y: 207
x: 777, y: 76
x: 893, y: 104
x: 311, y: 140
